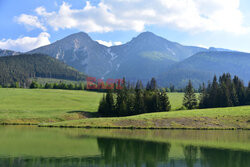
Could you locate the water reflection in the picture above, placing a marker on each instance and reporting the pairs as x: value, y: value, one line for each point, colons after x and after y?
x: 123, y: 152
x: 38, y: 147
x: 190, y: 153
x: 224, y: 158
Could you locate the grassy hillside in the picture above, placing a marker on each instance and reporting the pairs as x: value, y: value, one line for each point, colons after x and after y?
x: 219, y: 118
x: 78, y: 109
x: 42, y: 105
x: 22, y: 67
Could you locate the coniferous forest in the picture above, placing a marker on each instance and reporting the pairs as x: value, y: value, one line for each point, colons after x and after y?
x: 132, y: 101
x: 21, y: 68
x: 224, y: 92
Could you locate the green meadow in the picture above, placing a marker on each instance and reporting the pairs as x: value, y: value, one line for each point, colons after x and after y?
x: 43, y: 105
x: 73, y: 108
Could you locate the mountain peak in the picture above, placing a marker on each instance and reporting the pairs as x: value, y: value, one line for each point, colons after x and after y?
x: 79, y: 35
x: 146, y: 34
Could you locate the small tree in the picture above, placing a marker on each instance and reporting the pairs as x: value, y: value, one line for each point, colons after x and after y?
x: 48, y: 86
x: 190, y: 100
x: 248, y: 94
x: 110, y: 104
x: 34, y: 85
x: 164, y: 101
x: 71, y: 86
x: 139, y: 100
x: 102, y: 110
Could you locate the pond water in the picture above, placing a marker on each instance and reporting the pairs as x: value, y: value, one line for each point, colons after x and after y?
x: 22, y: 146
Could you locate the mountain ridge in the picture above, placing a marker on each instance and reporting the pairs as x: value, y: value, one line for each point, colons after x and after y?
x: 145, y: 56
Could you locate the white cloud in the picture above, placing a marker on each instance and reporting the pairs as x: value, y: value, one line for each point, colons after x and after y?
x: 25, y: 43
x: 203, y: 46
x: 118, y: 43
x: 185, y: 15
x: 108, y: 44
x: 30, y: 21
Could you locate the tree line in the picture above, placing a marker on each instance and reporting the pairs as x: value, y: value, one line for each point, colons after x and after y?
x: 225, y: 92
x: 60, y: 85
x: 131, y: 101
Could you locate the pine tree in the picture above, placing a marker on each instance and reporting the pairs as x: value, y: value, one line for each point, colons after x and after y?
x: 147, y: 98
x: 227, y: 93
x: 214, y: 95
x: 225, y: 100
x: 34, y: 85
x: 139, y: 106
x: 102, y: 110
x: 153, y: 84
x: 240, y: 91
x: 164, y: 101
x: 130, y: 104
x: 121, y: 100
x: 110, y: 104
x: 148, y: 86
x: 248, y: 94
x: 155, y: 103
x: 203, y: 96
x: 190, y: 101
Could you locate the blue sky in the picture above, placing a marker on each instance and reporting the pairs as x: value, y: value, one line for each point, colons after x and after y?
x: 28, y: 24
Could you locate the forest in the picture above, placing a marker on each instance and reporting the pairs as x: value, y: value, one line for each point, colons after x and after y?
x: 226, y: 92
x: 19, y: 69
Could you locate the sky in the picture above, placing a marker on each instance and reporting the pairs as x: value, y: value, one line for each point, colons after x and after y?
x: 28, y: 24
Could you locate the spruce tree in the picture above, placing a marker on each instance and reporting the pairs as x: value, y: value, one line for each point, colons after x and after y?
x: 102, y: 110
x: 34, y: 85
x: 153, y: 84
x: 214, y: 93
x: 190, y: 101
x: 240, y: 90
x: 203, y: 96
x: 155, y: 102
x: 121, y: 100
x: 164, y: 101
x: 139, y: 100
x: 227, y: 94
x: 248, y: 94
x: 110, y: 104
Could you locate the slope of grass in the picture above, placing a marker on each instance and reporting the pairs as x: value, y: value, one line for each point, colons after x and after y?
x: 176, y: 100
x: 66, y: 108
x: 41, y: 105
x: 219, y: 118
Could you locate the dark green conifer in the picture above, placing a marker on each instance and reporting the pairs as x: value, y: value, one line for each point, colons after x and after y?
x: 190, y: 100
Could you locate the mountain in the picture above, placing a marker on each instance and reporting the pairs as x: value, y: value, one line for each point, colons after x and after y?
x: 145, y: 56
x: 202, y: 66
x: 24, y: 66
x: 220, y: 49
x: 8, y: 53
x: 81, y: 52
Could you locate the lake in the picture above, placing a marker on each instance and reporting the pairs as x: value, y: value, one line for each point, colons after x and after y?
x: 22, y: 146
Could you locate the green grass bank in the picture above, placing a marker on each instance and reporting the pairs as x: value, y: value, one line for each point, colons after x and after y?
x: 72, y: 108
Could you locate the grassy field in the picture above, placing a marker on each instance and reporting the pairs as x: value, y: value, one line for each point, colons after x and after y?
x: 66, y: 108
x: 42, y: 105
x: 219, y: 118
